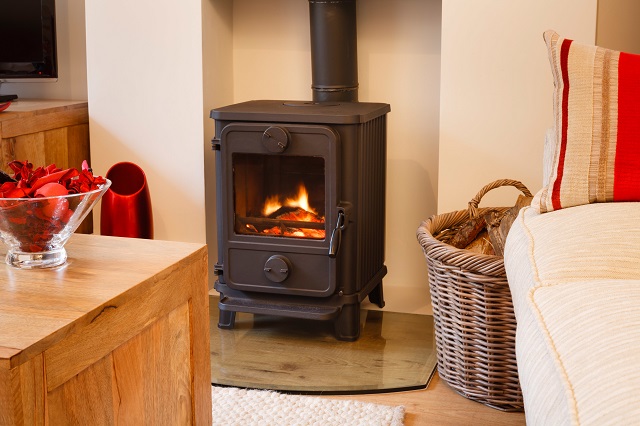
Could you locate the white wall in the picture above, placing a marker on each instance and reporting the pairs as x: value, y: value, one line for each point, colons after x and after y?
x: 72, y: 80
x: 144, y: 67
x: 496, y: 92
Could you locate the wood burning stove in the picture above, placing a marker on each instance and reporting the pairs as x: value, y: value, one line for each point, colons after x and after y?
x: 301, y: 191
x: 301, y: 209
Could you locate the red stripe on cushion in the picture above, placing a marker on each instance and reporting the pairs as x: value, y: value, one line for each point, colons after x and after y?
x: 626, y: 178
x: 564, y: 66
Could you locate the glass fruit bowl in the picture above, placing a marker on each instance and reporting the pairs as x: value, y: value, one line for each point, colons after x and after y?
x: 35, y: 230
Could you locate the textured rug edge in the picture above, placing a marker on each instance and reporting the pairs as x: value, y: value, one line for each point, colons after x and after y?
x: 237, y: 406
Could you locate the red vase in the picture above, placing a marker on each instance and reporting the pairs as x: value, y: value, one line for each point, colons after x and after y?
x: 126, y: 206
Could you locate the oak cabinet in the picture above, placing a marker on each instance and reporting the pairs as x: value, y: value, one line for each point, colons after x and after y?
x: 120, y: 335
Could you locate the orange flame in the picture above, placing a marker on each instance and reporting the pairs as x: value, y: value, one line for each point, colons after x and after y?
x: 273, y: 203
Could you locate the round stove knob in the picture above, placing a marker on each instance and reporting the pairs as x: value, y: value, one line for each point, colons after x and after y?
x: 275, y: 139
x: 277, y: 268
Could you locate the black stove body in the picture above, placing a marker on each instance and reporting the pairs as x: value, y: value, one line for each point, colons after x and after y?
x: 300, y: 209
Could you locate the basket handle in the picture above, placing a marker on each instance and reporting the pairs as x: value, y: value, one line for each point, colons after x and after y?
x: 473, y: 204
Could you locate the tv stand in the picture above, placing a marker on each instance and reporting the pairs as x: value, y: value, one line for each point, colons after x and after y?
x: 7, y: 98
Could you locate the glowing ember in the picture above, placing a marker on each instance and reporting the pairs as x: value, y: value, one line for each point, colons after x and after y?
x: 300, y: 215
x: 295, y: 232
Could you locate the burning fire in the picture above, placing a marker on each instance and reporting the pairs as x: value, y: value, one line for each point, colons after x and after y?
x: 292, y: 209
x: 272, y: 205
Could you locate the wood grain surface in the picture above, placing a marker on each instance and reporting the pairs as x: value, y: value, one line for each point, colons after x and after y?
x: 119, y: 335
x: 439, y: 405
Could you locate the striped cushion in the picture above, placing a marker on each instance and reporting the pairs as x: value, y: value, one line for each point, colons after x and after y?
x: 597, y: 126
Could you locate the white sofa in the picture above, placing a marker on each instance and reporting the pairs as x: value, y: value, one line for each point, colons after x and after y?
x: 574, y: 275
x: 573, y: 257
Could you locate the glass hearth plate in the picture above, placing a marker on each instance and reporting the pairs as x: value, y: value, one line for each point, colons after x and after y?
x: 395, y: 352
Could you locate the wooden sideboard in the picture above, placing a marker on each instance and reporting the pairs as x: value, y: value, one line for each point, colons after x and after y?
x: 120, y: 335
x: 46, y: 132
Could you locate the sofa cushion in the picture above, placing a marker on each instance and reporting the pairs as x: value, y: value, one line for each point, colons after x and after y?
x: 597, y: 126
x: 588, y: 332
x: 594, y: 241
x: 574, y: 276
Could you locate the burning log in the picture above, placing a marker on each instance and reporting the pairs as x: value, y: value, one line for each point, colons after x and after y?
x: 276, y: 230
x: 295, y: 213
x: 286, y: 231
x: 285, y: 222
x: 306, y: 233
x: 293, y: 217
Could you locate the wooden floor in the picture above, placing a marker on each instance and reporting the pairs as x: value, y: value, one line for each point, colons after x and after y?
x: 261, y: 351
x: 439, y: 405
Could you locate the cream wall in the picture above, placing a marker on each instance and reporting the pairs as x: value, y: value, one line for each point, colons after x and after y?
x: 495, y: 93
x: 144, y: 67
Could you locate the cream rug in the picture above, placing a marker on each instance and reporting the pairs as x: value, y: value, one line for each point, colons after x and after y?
x: 245, y: 407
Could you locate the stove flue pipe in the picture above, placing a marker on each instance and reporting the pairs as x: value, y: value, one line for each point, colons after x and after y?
x: 334, y: 53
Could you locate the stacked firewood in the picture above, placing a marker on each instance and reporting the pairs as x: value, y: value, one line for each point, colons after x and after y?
x: 487, y: 233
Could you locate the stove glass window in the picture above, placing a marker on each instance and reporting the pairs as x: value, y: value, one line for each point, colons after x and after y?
x: 279, y: 196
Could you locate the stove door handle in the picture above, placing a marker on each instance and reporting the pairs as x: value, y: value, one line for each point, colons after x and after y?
x: 336, y: 235
x: 334, y: 244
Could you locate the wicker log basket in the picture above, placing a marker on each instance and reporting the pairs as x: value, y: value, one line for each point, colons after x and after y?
x: 472, y: 310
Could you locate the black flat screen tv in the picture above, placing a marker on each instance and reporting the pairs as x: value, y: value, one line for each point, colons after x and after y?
x: 28, y: 40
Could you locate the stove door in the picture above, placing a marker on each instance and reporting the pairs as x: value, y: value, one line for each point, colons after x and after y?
x: 279, y: 186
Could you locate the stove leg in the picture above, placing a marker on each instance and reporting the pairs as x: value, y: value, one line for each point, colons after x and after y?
x: 226, y: 319
x: 347, y: 325
x: 376, y: 296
